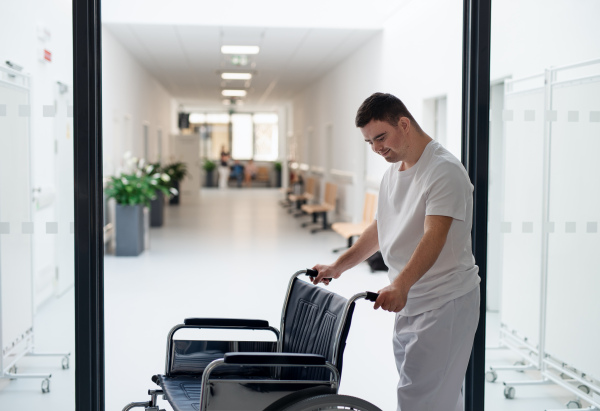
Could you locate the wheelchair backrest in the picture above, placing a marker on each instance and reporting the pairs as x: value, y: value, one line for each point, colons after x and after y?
x: 312, y: 318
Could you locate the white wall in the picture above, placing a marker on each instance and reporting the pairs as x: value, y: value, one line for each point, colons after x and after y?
x: 409, y: 59
x: 131, y: 97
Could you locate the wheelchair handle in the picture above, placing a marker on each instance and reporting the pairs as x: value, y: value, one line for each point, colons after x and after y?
x: 314, y: 273
x: 371, y: 296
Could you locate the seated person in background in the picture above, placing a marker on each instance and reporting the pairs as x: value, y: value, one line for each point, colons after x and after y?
x: 237, y: 171
x: 249, y: 173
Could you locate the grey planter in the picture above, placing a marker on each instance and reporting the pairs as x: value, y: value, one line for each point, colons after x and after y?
x: 157, y: 210
x: 210, y: 178
x: 175, y: 197
x: 129, y: 230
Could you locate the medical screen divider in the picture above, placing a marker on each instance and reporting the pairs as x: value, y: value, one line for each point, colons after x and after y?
x: 550, y: 278
x: 16, y: 287
x: 16, y: 229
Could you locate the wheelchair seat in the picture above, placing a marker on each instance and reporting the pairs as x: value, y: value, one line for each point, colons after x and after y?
x: 304, y: 361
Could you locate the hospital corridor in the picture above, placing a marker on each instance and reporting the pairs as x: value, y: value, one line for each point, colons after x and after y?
x: 171, y: 172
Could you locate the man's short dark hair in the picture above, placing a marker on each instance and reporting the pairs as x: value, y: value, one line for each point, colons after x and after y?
x: 382, y: 107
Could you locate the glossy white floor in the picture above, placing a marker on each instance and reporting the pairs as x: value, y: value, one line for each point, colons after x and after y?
x: 230, y: 254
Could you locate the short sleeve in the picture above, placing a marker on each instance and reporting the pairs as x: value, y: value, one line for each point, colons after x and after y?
x: 448, y: 192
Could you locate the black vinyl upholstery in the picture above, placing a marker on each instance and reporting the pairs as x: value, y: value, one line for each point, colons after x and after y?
x: 312, y: 318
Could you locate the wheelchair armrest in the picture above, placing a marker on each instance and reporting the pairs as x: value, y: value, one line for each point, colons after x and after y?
x: 227, y: 322
x: 250, y: 358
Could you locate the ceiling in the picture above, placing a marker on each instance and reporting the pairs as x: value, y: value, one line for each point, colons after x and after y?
x: 187, y: 61
x: 179, y: 42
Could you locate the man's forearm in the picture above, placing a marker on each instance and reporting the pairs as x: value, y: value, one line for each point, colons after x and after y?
x: 363, y: 248
x: 427, y: 251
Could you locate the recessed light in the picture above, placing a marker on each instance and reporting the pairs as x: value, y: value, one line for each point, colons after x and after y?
x: 240, y: 49
x: 234, y: 93
x: 236, y: 76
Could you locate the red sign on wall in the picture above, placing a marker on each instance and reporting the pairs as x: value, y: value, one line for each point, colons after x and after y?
x: 47, y: 55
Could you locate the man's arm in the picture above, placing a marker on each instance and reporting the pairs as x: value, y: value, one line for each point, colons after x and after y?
x: 394, y: 296
x: 364, y: 247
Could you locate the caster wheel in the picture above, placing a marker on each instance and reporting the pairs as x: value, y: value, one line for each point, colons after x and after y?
x: 65, y: 363
x: 491, y: 376
x: 573, y: 404
x: 46, y: 385
x: 584, y: 388
x: 13, y: 369
x: 509, y: 392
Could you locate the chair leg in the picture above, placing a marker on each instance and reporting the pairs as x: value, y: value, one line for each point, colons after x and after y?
x: 307, y: 223
x: 350, y: 240
x: 325, y: 226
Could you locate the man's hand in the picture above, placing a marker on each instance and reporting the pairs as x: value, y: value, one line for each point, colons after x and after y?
x: 391, y: 298
x: 325, y: 272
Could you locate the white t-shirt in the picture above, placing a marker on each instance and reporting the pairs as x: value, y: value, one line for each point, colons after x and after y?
x: 436, y: 185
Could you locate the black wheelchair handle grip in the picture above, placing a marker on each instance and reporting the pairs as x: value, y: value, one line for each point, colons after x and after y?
x: 313, y: 273
x: 371, y: 296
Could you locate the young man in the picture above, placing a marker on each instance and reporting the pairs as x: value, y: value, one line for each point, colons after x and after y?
x: 423, y: 229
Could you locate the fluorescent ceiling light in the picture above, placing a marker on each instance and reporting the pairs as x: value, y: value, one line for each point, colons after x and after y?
x: 234, y: 93
x: 236, y: 76
x: 240, y: 49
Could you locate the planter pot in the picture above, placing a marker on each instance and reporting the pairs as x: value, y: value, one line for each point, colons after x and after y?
x: 129, y: 230
x: 210, y: 182
x: 175, y: 198
x: 277, y: 178
x: 157, y: 210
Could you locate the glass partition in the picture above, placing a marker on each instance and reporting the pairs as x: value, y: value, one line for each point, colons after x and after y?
x: 37, y: 321
x: 544, y: 207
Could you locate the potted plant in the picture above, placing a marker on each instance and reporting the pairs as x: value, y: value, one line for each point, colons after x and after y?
x: 209, y: 167
x: 277, y: 167
x: 163, y: 183
x: 177, y: 171
x: 132, y: 192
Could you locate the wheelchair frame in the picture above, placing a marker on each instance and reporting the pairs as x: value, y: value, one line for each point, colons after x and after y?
x: 275, y: 360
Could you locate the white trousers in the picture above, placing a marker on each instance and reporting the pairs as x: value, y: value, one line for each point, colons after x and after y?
x: 432, y: 352
x: 223, y: 176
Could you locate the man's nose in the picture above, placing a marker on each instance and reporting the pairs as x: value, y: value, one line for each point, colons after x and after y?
x: 377, y: 146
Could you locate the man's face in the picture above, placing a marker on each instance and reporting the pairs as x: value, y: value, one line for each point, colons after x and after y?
x: 386, y: 140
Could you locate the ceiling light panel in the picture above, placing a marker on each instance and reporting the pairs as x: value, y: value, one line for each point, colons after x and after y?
x: 240, y: 49
x: 234, y: 93
x: 236, y: 76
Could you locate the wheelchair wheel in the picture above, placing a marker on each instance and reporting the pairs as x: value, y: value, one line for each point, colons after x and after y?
x: 331, y: 402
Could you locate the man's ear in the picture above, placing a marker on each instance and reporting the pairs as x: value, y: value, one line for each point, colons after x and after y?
x: 404, y: 123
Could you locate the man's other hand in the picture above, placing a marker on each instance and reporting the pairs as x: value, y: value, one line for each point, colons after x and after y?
x: 391, y: 298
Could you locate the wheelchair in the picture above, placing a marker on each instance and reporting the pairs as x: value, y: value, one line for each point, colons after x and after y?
x: 300, y: 371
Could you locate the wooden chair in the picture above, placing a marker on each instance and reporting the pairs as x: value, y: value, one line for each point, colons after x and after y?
x: 263, y: 176
x: 351, y: 230
x: 321, y: 209
x: 300, y: 199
